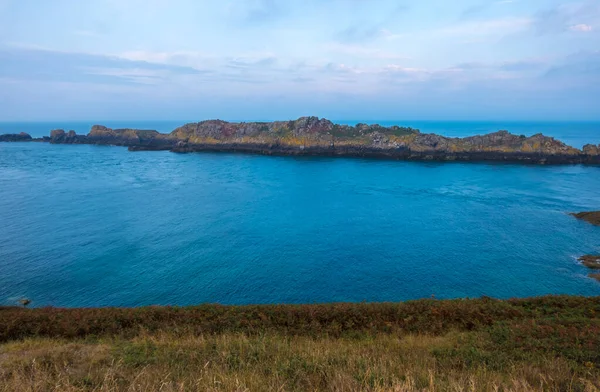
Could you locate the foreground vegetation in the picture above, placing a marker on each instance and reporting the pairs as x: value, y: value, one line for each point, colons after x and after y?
x: 539, y: 344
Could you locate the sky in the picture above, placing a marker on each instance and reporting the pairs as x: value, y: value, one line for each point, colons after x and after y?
x: 282, y: 59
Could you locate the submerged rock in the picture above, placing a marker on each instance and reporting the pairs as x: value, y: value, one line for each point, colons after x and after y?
x: 595, y: 276
x: 16, y: 137
x: 592, y: 217
x: 590, y: 261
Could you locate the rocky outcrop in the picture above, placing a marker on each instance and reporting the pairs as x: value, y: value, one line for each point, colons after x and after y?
x: 315, y: 136
x: 592, y: 217
x: 590, y: 261
x: 303, y: 132
x: 590, y: 149
x: 16, y: 137
x: 133, y: 138
x: 59, y: 136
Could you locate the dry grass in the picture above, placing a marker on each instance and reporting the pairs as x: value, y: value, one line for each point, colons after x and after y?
x: 551, y: 344
x: 237, y: 362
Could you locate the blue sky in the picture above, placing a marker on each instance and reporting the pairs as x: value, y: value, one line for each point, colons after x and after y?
x: 277, y: 59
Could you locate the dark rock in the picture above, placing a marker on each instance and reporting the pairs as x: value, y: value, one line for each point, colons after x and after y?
x: 59, y: 136
x: 590, y: 261
x: 57, y: 133
x: 16, y: 137
x: 592, y: 217
x: 595, y: 276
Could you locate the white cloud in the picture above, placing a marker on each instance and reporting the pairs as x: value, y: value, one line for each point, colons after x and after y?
x: 184, y: 58
x: 363, y: 51
x: 487, y: 27
x: 582, y: 27
x: 136, y: 75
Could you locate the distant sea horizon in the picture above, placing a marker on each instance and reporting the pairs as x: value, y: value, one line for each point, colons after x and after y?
x: 574, y: 133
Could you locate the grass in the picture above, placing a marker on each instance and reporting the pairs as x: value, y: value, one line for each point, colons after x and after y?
x: 539, y: 344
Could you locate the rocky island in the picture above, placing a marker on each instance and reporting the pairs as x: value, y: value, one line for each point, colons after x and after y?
x: 592, y: 217
x: 321, y: 137
x: 590, y: 261
x: 593, y: 263
x: 16, y: 137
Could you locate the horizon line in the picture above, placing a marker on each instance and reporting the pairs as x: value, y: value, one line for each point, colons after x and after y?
x: 371, y: 121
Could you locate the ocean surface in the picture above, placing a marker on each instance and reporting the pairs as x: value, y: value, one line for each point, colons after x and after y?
x: 85, y: 225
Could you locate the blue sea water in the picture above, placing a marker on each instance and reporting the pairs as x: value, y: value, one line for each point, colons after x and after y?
x: 85, y: 225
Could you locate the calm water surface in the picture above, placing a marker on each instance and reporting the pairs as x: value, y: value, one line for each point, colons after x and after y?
x: 99, y: 226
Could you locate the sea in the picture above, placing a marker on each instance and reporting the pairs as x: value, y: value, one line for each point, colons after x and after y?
x: 96, y: 226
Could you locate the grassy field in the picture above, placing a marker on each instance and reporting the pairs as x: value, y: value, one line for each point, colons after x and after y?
x: 539, y: 344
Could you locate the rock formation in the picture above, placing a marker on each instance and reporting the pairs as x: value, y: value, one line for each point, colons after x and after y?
x: 59, y: 136
x: 315, y: 136
x: 591, y: 149
x: 592, y: 217
x: 590, y: 261
x: 16, y: 137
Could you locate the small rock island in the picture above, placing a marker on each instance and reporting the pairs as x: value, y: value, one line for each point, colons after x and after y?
x: 321, y: 137
x: 592, y: 217
x: 16, y: 137
x: 590, y: 261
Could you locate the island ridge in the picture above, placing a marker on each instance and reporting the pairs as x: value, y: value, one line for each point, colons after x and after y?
x: 321, y: 137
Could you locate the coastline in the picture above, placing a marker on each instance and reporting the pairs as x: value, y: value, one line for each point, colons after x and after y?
x: 311, y: 136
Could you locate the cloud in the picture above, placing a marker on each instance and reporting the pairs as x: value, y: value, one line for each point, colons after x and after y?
x: 48, y: 65
x: 480, y: 8
x: 192, y: 59
x: 487, y: 27
x: 582, y: 27
x: 364, y: 51
x: 582, y: 66
x: 567, y: 17
x: 361, y: 34
x: 474, y: 10
x: 378, y: 89
x: 522, y: 65
x: 368, y: 31
x: 251, y: 62
x: 256, y: 11
x: 133, y: 75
